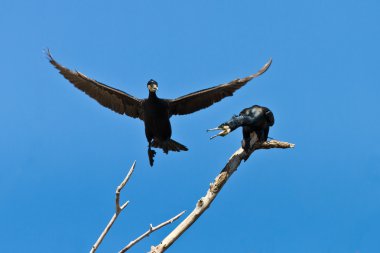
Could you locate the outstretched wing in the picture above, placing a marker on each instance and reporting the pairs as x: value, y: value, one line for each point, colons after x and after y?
x: 116, y: 100
x: 204, y: 98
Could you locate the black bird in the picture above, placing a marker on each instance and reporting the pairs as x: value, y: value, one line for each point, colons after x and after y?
x: 256, y: 119
x: 154, y: 111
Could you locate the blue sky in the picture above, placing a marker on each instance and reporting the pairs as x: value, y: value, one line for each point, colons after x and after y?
x: 63, y: 154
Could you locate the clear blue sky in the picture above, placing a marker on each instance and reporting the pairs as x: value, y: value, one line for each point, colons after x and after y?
x: 62, y: 154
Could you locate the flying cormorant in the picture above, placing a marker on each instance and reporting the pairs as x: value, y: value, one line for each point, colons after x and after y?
x: 154, y: 111
x: 256, y: 119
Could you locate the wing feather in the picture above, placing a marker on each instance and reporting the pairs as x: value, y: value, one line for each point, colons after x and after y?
x: 114, y: 99
x: 204, y: 98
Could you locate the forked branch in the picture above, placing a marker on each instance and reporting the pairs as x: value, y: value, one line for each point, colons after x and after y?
x: 150, y: 230
x: 214, y: 189
x: 118, y: 209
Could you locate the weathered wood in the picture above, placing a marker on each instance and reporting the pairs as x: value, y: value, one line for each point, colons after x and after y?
x: 204, y: 203
x: 150, y: 230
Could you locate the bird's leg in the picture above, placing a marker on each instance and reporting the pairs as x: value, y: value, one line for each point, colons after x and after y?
x: 262, y: 136
x: 266, y: 132
x: 151, y: 153
x: 250, y: 136
x: 246, y: 142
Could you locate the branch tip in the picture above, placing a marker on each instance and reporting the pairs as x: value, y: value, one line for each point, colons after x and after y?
x: 118, y: 209
x: 124, y: 205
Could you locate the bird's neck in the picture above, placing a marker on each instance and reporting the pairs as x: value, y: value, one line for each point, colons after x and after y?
x: 152, y: 95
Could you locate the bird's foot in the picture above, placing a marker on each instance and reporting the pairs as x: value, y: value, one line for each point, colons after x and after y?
x: 245, y: 156
x: 151, y: 154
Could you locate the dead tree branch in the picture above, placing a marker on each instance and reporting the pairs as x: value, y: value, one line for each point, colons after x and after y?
x: 150, y: 230
x: 204, y: 203
x: 118, y: 209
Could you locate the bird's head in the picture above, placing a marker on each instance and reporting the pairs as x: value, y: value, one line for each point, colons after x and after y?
x: 152, y: 85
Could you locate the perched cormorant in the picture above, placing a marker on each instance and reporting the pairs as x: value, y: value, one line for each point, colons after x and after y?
x: 154, y: 111
x: 256, y: 119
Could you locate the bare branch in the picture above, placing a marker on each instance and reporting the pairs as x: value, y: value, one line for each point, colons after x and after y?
x: 120, y: 187
x: 150, y: 230
x: 204, y: 203
x: 118, y: 209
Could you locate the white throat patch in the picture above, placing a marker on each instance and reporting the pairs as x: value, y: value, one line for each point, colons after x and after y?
x: 153, y: 88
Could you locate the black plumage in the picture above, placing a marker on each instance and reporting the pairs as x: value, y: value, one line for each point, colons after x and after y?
x: 256, y: 119
x: 154, y: 111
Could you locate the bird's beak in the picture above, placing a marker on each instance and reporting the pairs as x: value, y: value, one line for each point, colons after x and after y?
x: 153, y: 88
x: 213, y: 129
x: 225, y: 130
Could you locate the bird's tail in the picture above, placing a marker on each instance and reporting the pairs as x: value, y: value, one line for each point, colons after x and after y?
x: 169, y: 145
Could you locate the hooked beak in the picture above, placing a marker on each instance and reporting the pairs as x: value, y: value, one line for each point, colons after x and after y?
x: 225, y: 130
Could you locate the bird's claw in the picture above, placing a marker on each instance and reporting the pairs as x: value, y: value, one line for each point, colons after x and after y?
x: 224, y: 131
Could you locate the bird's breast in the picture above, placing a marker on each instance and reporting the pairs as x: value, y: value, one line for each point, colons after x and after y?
x: 156, y: 119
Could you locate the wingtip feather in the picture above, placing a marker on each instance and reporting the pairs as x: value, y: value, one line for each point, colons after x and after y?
x: 48, y: 54
x: 266, y: 66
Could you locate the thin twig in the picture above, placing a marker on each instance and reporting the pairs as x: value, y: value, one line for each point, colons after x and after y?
x: 150, y: 230
x: 118, y: 209
x: 214, y: 189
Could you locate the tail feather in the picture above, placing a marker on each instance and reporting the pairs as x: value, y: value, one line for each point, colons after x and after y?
x: 169, y: 145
